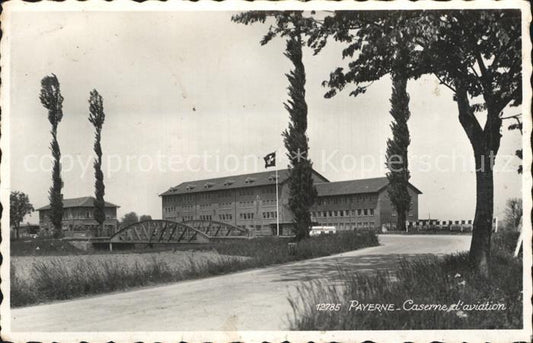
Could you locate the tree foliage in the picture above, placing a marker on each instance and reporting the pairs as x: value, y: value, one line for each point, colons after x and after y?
x: 19, y: 207
x: 302, y: 193
x: 97, y: 118
x: 517, y: 125
x: 396, y: 154
x: 513, y: 214
x: 129, y: 218
x: 52, y: 100
x: 286, y: 24
x: 145, y: 217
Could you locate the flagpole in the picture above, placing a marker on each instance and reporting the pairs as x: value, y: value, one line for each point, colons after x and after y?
x: 269, y: 162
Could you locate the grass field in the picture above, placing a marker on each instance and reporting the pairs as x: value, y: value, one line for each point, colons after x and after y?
x: 41, y: 278
x: 36, y: 279
x: 433, y: 280
x: 176, y: 261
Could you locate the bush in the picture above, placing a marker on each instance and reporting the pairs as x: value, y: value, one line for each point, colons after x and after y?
x: 504, y: 241
x: 274, y: 250
x: 428, y: 280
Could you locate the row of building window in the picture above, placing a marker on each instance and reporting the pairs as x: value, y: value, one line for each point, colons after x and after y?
x: 174, y: 208
x: 268, y: 215
x: 229, y: 216
x: 344, y: 199
x: 252, y: 192
x: 83, y: 215
x: 267, y: 202
x: 225, y: 216
x: 248, y: 215
x: 252, y: 203
x: 343, y: 213
x: 192, y: 198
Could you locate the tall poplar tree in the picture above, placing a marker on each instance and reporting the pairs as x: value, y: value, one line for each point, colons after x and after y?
x: 52, y: 100
x: 302, y: 192
x: 97, y: 117
x: 397, y: 148
x: 383, y: 39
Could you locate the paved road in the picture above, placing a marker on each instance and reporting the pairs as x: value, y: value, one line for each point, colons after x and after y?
x: 250, y: 300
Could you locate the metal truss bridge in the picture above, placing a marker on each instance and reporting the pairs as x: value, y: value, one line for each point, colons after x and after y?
x: 171, y: 232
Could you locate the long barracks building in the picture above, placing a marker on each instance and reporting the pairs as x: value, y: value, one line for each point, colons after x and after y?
x: 249, y: 201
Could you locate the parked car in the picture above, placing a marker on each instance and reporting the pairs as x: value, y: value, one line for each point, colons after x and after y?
x: 322, y: 230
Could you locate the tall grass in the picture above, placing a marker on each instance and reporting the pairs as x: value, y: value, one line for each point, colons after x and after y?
x: 424, y: 281
x: 56, y: 278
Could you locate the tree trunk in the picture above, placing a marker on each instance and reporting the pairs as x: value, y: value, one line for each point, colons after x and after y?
x: 400, y: 225
x: 482, y: 228
x: 485, y: 143
x: 17, y: 231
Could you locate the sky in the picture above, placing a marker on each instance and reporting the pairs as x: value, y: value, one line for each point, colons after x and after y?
x: 192, y: 95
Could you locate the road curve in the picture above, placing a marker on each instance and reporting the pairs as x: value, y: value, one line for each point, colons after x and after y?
x: 249, y: 300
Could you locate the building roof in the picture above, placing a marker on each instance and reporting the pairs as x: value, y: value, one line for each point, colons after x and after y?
x: 372, y: 185
x: 234, y: 181
x: 78, y: 202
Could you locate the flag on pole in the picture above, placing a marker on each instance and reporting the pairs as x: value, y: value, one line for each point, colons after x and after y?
x: 270, y: 160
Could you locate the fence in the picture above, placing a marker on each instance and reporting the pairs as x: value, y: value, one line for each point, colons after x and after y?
x: 442, y: 225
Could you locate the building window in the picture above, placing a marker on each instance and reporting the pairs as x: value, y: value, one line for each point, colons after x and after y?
x: 371, y: 211
x: 359, y: 212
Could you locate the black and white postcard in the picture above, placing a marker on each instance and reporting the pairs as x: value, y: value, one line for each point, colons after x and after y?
x: 266, y: 172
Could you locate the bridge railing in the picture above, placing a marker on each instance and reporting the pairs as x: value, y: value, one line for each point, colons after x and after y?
x: 217, y: 229
x: 159, y: 231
